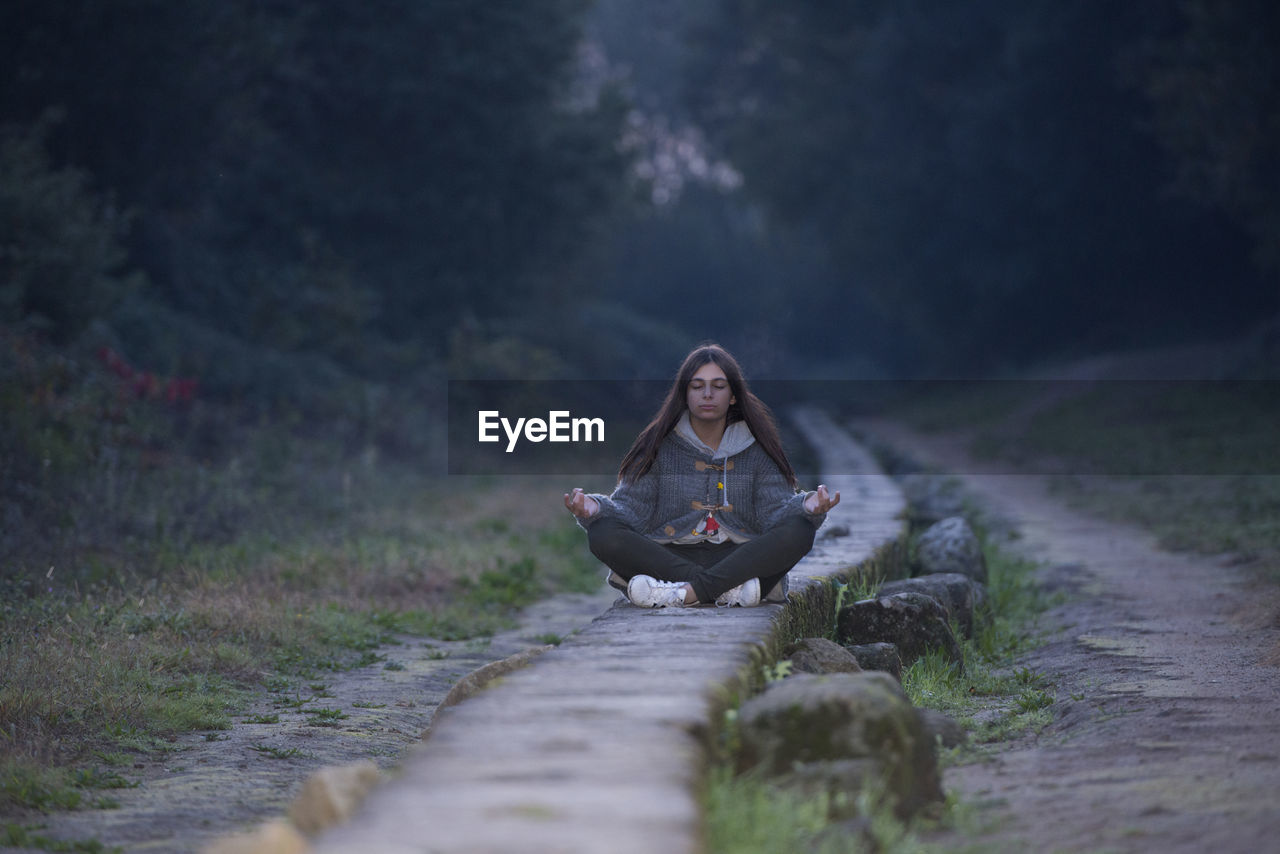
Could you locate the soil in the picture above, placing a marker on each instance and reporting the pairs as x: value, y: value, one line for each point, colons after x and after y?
x: 219, y: 783
x: 1165, y: 672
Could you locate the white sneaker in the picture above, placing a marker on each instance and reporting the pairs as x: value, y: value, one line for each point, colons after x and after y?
x: 778, y: 594
x: 649, y: 592
x: 746, y: 594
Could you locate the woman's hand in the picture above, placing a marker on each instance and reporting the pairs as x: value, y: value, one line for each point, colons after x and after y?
x: 580, y: 504
x: 820, y: 501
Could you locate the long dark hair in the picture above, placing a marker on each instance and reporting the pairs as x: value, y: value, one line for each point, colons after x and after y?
x: 746, y: 407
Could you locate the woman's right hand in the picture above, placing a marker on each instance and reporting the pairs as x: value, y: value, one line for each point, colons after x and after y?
x: 580, y: 504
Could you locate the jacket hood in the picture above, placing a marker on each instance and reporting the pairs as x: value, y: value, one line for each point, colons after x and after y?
x: 737, y: 438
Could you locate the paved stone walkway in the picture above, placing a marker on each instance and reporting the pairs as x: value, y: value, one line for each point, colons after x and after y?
x: 597, y: 745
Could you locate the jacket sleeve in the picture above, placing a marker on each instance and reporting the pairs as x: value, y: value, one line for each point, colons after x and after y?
x: 775, y: 500
x: 631, y: 503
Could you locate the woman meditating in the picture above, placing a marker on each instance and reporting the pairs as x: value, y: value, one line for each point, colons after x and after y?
x: 706, y: 508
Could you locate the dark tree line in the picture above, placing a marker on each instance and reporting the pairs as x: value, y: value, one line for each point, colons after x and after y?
x: 996, y: 176
x: 338, y: 182
x: 262, y: 192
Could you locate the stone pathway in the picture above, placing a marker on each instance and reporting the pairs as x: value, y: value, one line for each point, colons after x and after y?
x: 597, y: 746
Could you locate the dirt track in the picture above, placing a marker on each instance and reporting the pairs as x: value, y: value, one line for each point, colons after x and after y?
x: 1166, y: 676
x: 229, y: 781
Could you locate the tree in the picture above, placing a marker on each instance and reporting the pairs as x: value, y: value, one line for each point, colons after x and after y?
x: 345, y: 180
x: 979, y: 172
x: 1216, y: 89
x: 61, y: 256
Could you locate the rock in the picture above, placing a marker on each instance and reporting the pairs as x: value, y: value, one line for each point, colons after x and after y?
x: 951, y: 546
x: 913, y: 622
x: 831, y: 532
x: 931, y: 498
x: 273, y: 837
x: 853, y: 834
x: 478, y: 679
x: 878, y: 656
x: 960, y: 595
x: 944, y: 729
x: 835, y: 730
x: 819, y: 655
x: 330, y: 795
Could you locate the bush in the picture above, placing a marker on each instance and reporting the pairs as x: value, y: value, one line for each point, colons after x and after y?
x: 60, y: 252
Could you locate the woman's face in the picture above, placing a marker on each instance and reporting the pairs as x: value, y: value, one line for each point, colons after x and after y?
x: 708, y: 395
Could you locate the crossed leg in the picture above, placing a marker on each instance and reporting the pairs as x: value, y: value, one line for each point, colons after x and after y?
x: 709, y: 568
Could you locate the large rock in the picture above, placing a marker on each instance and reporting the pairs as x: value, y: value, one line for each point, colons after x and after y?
x: 961, y: 596
x: 913, y: 622
x: 931, y: 498
x: 819, y: 655
x: 878, y: 656
x: 838, y: 730
x: 951, y: 546
x: 331, y: 795
x: 944, y: 729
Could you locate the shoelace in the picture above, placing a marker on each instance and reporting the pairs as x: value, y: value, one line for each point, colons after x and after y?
x: 670, y: 592
x: 730, y: 597
x: 675, y: 597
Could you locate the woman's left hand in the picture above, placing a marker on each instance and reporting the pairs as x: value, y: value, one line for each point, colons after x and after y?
x: 820, y: 501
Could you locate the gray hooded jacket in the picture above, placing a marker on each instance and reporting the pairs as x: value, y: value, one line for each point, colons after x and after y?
x: 739, y: 481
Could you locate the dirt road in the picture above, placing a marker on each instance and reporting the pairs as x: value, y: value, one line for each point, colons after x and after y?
x: 1166, y: 676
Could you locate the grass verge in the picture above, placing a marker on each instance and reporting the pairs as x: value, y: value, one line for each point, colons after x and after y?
x: 992, y: 697
x: 160, y: 562
x: 24, y: 836
x: 1195, y: 463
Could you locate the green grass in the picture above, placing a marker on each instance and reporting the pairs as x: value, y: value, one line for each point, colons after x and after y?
x: 325, y: 717
x: 1198, y: 464
x: 1164, y: 428
x: 1010, y: 699
x: 262, y: 719
x: 944, y: 405
x: 1195, y: 463
x: 20, y: 836
x: 280, y: 753
x: 746, y: 813
x: 159, y: 567
x: 29, y: 785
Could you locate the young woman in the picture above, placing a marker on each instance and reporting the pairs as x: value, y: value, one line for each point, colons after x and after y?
x: 706, y: 508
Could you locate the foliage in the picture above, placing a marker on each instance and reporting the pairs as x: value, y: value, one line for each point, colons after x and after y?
x: 748, y: 814
x: 26, y: 784
x: 994, y: 698
x: 1163, y: 428
x: 981, y: 173
x: 1213, y: 83
x: 344, y: 182
x: 60, y: 242
x: 160, y: 558
x: 18, y: 836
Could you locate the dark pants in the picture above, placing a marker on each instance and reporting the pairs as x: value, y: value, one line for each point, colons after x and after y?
x: 710, y: 568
